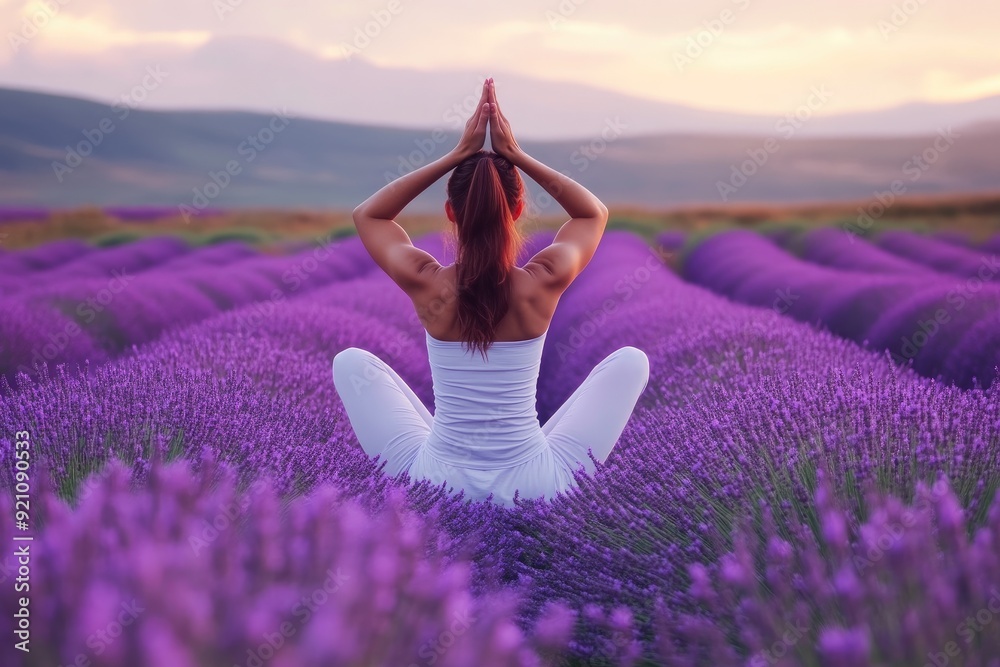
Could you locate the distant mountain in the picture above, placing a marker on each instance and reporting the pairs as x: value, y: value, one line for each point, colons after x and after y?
x: 123, y: 156
x: 915, y: 118
x: 251, y: 74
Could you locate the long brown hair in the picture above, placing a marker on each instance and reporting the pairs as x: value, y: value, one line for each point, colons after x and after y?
x: 484, y: 191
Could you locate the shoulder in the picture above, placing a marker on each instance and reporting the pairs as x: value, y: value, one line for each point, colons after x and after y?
x: 415, y: 270
x: 532, y: 290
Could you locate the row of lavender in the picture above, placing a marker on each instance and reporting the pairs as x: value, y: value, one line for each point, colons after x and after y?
x: 70, y: 302
x: 126, y: 213
x: 895, y: 252
x: 652, y: 556
x: 926, y: 302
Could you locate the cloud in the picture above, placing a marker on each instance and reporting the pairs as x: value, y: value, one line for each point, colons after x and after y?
x: 947, y: 86
x: 77, y: 36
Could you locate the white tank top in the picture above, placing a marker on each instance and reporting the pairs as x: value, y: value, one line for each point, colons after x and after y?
x: 484, y: 410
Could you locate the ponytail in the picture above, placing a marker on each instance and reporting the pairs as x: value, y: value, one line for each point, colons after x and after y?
x: 489, y: 243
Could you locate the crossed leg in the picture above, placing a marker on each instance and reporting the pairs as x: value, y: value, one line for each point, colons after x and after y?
x: 391, y: 421
x: 388, y: 418
x: 594, y: 416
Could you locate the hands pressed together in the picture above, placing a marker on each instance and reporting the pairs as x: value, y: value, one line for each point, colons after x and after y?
x: 576, y: 200
x: 501, y: 136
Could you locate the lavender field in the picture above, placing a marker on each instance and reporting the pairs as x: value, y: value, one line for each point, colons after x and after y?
x: 810, y: 477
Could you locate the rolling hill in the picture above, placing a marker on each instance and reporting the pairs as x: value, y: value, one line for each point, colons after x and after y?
x: 62, y: 151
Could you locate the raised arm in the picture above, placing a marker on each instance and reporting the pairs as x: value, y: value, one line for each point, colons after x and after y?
x: 574, y: 245
x: 388, y: 243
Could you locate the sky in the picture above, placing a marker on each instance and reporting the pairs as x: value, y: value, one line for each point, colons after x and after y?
x: 748, y: 56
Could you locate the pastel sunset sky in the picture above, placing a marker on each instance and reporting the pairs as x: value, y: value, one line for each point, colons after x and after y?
x: 872, y: 53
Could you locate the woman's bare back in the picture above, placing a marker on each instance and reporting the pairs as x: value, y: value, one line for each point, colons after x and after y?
x: 532, y: 305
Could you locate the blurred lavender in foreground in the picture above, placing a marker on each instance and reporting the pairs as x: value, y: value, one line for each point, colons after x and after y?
x: 189, y: 572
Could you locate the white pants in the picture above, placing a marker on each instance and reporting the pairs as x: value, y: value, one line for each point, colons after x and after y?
x: 390, y: 421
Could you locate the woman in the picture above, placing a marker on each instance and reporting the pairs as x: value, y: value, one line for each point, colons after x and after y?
x: 485, y: 437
